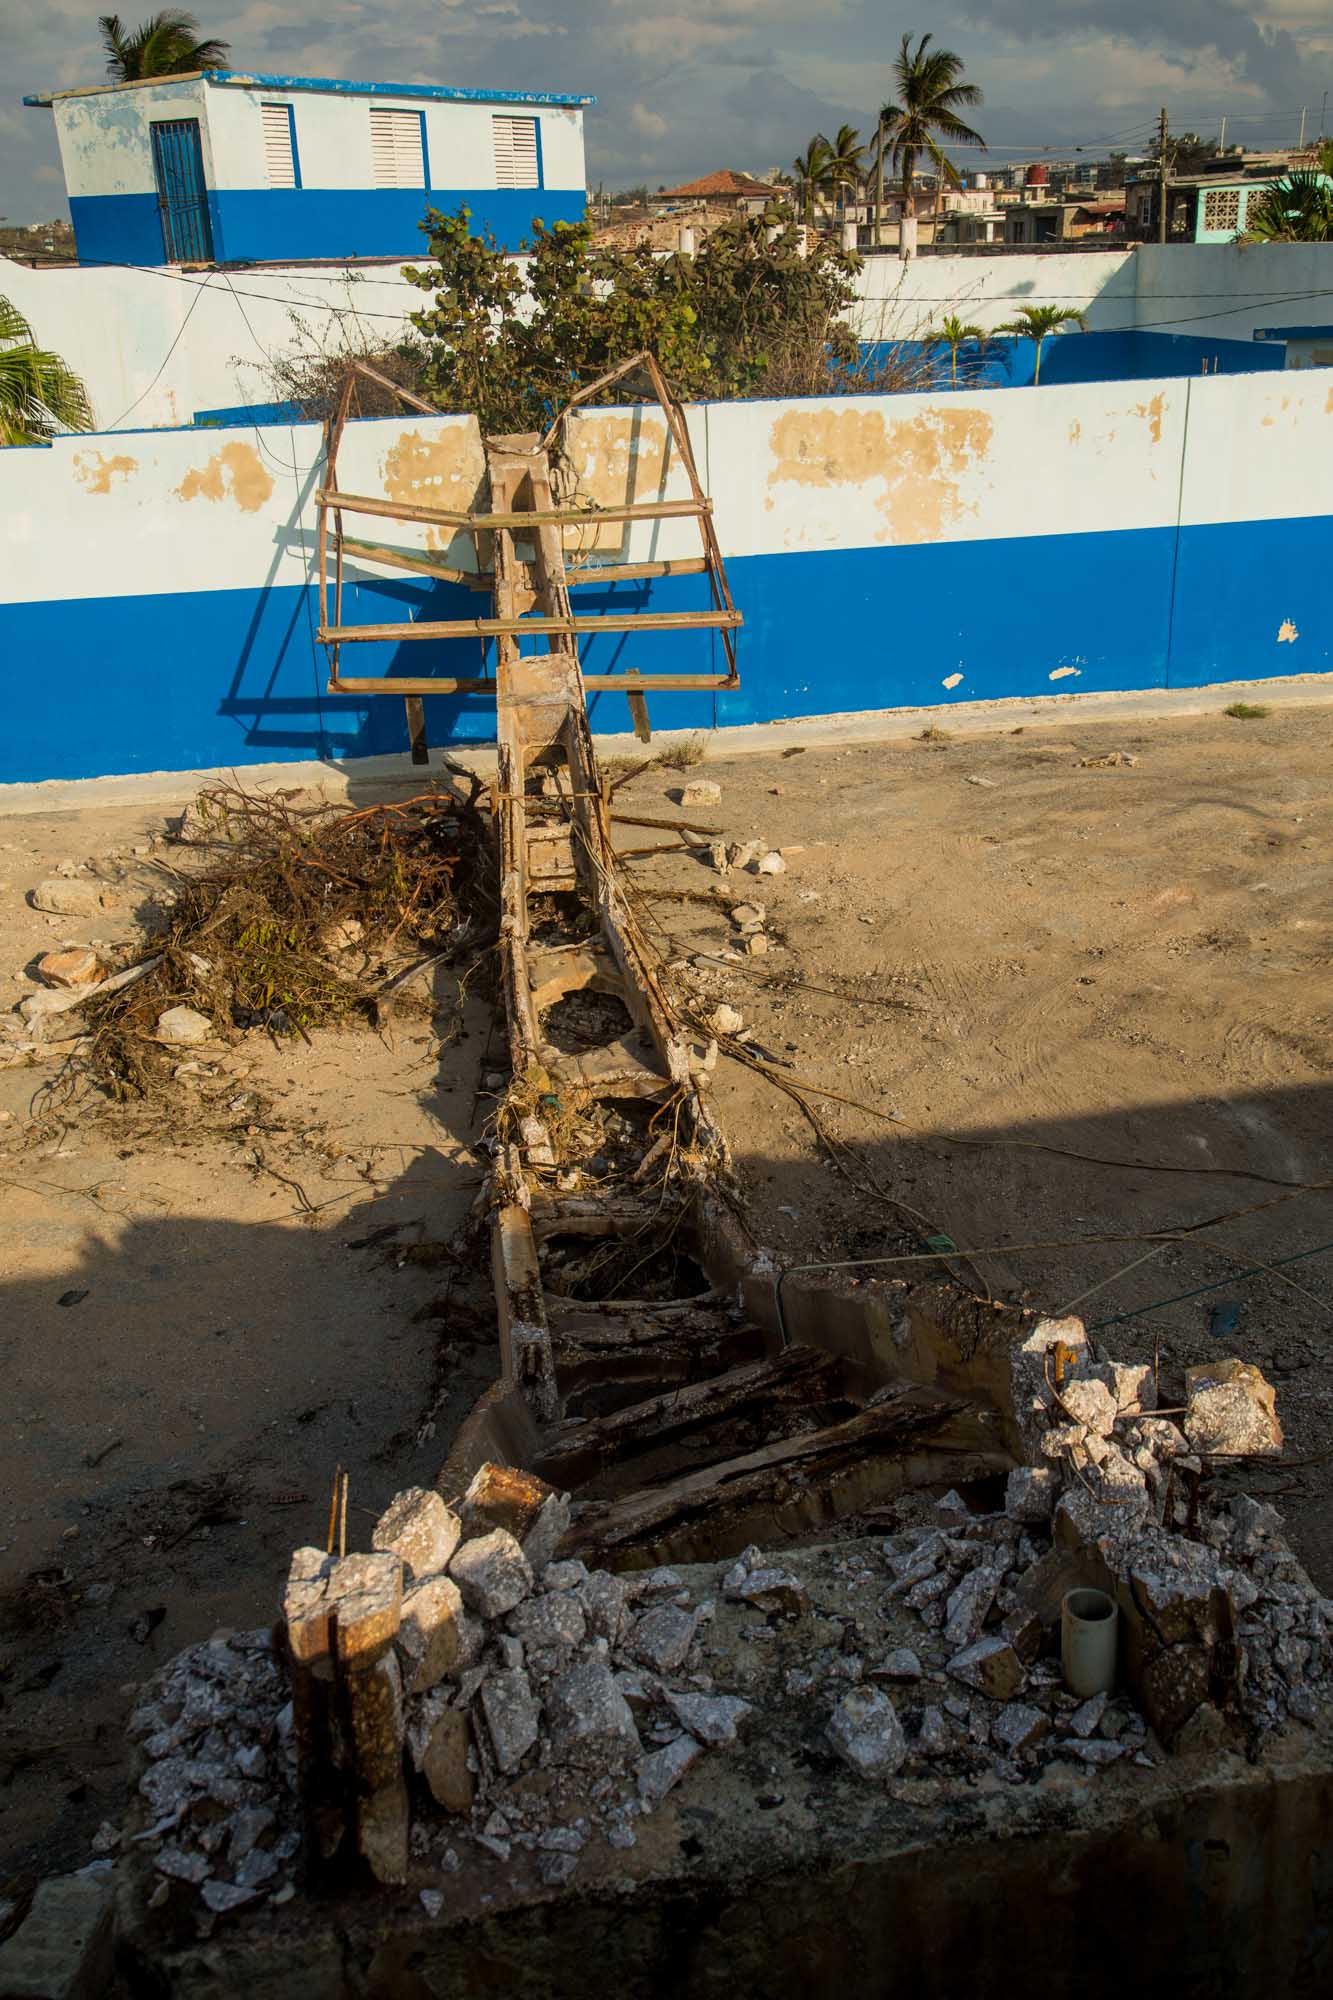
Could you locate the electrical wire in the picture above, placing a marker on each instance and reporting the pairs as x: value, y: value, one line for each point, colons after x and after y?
x: 1256, y: 1270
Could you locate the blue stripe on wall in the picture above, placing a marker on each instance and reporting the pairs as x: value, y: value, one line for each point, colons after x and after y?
x: 1128, y: 355
x: 281, y: 225
x: 234, y: 677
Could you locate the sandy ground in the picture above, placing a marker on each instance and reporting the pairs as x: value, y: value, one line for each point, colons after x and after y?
x: 1109, y: 985
x: 1112, y: 985
x: 194, y: 1332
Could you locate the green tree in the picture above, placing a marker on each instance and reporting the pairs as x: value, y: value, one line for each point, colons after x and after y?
x: 844, y: 158
x: 1038, y: 323
x: 744, y: 316
x: 807, y: 171
x: 953, y: 334
x: 930, y: 97
x: 166, y: 44
x: 39, y: 395
x: 1298, y: 208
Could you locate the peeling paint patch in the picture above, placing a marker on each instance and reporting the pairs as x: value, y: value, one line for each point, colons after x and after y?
x: 1075, y: 431
x: 1287, y: 633
x: 919, y: 460
x: 952, y: 681
x: 1328, y: 404
x: 1153, y: 413
x: 617, y: 460
x: 443, y: 471
x: 97, y: 473
x: 1063, y: 673
x: 236, y: 472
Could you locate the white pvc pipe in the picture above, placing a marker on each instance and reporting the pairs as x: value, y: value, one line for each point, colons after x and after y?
x: 1089, y: 1629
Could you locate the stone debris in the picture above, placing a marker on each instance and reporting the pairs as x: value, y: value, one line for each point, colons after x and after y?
x: 966, y: 1608
x: 67, y: 899
x: 420, y: 1528
x: 663, y: 1768
x: 511, y: 1717
x: 712, y: 1718
x: 590, y: 1719
x: 866, y: 1734
x: 78, y: 967
x: 492, y: 1572
x: 771, y: 863
x: 902, y: 1664
x: 1018, y: 1726
x: 662, y: 1638
x: 183, y: 1027
x: 701, y: 792
x: 1031, y: 1492
x: 991, y: 1666
x: 1231, y: 1409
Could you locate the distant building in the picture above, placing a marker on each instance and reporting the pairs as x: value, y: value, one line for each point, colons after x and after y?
x: 1064, y: 221
x: 1204, y: 207
x: 741, y: 193
x: 219, y: 167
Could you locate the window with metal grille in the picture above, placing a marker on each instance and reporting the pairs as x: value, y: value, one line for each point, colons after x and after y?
x: 397, y: 155
x: 1221, y: 208
x: 279, y: 151
x: 516, y: 157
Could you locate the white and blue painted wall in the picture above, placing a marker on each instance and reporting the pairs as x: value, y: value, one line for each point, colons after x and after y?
x: 885, y: 551
x: 227, y: 168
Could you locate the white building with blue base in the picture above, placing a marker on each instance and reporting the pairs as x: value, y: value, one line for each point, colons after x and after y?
x: 221, y: 167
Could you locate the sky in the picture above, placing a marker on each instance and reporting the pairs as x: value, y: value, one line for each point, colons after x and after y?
x: 689, y: 85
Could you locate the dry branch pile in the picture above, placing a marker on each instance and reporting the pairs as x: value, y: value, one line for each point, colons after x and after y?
x: 300, y: 916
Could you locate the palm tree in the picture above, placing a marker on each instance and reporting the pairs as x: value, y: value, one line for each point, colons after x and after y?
x: 953, y: 334
x: 1298, y: 208
x: 808, y: 170
x: 38, y: 394
x: 164, y: 45
x: 929, y: 99
x: 843, y: 162
x: 1037, y: 323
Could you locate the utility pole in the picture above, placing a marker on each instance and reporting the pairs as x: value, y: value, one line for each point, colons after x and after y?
x: 1323, y: 115
x: 879, y: 177
x: 1300, y: 143
x: 1161, y: 178
x: 1222, y: 135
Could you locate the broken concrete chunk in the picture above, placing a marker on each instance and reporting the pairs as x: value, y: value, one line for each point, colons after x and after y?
x: 1254, y: 1523
x: 503, y: 1496
x: 902, y: 1664
x: 1090, y: 1403
x: 547, y: 1531
x: 552, y: 1622
x: 1052, y: 1346
x: 991, y: 1666
x: 1130, y: 1383
x: 374, y: 1703
x: 1232, y: 1408
x: 602, y: 1597
x: 444, y: 1762
x: 1096, y: 1752
x: 420, y: 1528
x: 767, y: 1590
x: 665, y: 1768
x: 492, y: 1572
x: 701, y: 792
x: 563, y: 1575
x: 1087, y: 1716
x: 306, y: 1605
x: 1022, y: 1629
x: 771, y: 863
x: 725, y: 1020
x: 435, y: 1635
x: 662, y: 1638
x: 712, y: 1718
x: 865, y: 1732
x: 933, y: 1735
x: 382, y: 1832
x: 368, y: 1594
x: 183, y: 1027
x: 67, y: 899
x: 966, y: 1608
x: 748, y: 917
x: 590, y: 1720
x: 1018, y: 1726
x: 68, y: 969
x: 1030, y: 1493
x: 511, y: 1717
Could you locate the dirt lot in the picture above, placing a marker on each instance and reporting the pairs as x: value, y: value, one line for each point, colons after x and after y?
x: 195, y: 1330
x: 1108, y: 984
x: 1113, y: 984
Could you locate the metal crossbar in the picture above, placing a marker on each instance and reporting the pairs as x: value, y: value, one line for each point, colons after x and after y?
x: 557, y: 624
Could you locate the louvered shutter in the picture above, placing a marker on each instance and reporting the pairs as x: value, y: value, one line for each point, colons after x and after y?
x: 515, y: 152
x: 279, y: 164
x: 395, y: 148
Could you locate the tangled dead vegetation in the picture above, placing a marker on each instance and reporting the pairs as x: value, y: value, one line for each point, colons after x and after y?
x: 293, y: 917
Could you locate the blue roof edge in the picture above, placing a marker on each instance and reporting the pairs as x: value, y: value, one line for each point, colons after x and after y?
x: 340, y: 86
